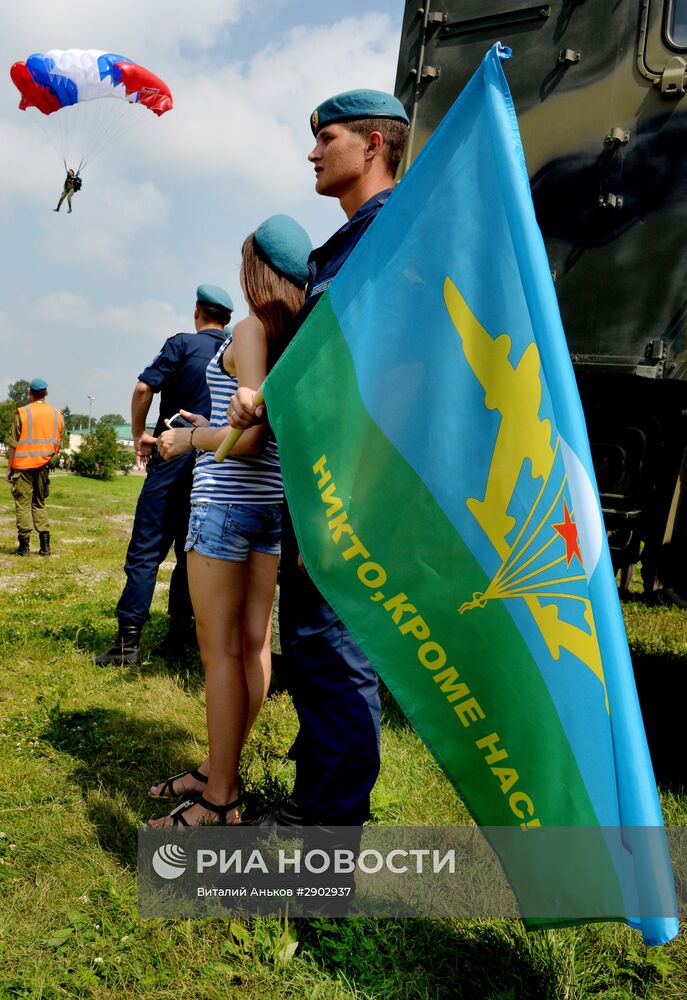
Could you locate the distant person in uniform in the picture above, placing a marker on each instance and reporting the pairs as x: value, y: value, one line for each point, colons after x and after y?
x: 162, y: 511
x: 36, y: 437
x: 360, y: 137
x: 72, y: 184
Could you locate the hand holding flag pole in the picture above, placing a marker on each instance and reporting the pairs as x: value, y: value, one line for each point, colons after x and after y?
x: 231, y: 439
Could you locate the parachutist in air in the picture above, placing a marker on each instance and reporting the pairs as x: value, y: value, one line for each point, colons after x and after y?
x: 71, y: 185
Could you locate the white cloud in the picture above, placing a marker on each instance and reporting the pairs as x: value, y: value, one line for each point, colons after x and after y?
x: 106, y: 222
x: 150, y: 321
x: 130, y: 27
x: 26, y: 168
x: 249, y: 123
x: 60, y: 309
x: 108, y: 347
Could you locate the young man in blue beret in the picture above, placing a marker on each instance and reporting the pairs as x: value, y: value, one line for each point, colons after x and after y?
x: 360, y: 138
x: 177, y: 372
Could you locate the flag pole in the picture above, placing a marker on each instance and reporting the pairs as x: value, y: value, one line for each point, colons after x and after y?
x: 231, y: 439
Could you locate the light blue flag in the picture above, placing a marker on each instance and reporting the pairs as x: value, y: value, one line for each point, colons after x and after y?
x: 440, y: 481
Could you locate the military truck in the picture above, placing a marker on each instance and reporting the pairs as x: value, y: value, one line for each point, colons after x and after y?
x: 599, y: 88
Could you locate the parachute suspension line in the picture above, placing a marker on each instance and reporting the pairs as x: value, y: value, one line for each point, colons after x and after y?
x: 85, y: 130
x: 61, y: 127
x: 106, y: 124
x: 104, y: 116
x: 55, y: 129
x: 117, y: 127
x: 90, y: 117
x: 58, y: 147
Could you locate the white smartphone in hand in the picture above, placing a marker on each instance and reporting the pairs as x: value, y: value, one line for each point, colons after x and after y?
x: 178, y: 421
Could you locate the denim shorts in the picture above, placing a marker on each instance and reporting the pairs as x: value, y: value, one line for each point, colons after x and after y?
x: 231, y: 531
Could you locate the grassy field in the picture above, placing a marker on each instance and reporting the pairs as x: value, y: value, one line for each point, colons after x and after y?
x: 80, y: 745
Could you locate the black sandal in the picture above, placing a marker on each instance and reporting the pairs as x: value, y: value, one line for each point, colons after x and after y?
x: 168, y: 786
x: 177, y: 815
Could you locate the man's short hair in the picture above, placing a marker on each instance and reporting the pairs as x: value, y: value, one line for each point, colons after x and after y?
x: 38, y: 393
x: 395, y: 135
x: 214, y: 313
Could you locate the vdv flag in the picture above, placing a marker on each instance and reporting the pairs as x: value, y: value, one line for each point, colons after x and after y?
x: 437, y: 469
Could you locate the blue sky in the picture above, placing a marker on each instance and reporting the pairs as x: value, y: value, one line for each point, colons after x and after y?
x: 87, y: 299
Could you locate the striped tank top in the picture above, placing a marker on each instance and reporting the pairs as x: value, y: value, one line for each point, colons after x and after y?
x: 248, y: 479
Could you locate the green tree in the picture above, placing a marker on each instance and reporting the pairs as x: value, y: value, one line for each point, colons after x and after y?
x: 77, y: 421
x: 99, y: 456
x: 66, y: 427
x: 6, y: 418
x: 127, y: 459
x: 113, y: 419
x: 18, y: 392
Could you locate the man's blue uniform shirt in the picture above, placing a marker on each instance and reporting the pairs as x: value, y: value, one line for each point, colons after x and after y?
x: 325, y: 262
x: 178, y: 373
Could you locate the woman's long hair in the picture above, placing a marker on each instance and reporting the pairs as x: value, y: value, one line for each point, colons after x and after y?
x: 274, y: 299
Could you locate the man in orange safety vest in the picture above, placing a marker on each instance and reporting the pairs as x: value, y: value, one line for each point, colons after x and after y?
x: 35, y: 438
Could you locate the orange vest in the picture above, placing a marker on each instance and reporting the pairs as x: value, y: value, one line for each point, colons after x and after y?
x: 41, y: 432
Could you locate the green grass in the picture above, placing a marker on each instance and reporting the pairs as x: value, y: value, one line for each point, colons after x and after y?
x: 80, y: 745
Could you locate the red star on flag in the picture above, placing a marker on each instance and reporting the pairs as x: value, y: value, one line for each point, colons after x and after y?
x: 568, y: 532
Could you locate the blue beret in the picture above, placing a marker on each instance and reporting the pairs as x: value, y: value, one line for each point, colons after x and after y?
x: 286, y: 246
x: 214, y: 296
x: 354, y: 105
x: 38, y: 384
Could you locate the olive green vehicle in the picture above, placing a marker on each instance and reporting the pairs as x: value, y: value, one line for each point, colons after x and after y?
x: 599, y: 88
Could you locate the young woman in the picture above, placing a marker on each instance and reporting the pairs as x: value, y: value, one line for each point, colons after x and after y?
x: 235, y: 526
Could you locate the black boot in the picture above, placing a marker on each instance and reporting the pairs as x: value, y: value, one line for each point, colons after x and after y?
x: 24, y: 546
x: 126, y: 649
x: 44, y: 537
x: 180, y: 636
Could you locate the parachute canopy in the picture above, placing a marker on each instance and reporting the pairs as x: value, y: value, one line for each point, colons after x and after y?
x: 59, y: 78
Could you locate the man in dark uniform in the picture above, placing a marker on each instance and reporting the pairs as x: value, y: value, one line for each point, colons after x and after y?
x: 162, y: 511
x: 360, y: 139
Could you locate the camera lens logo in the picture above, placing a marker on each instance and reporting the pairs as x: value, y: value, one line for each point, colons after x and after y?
x: 169, y: 861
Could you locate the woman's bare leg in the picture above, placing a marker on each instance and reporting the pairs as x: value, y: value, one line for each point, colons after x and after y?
x: 257, y: 631
x: 233, y: 635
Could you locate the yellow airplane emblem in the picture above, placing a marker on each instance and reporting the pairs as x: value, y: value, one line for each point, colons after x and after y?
x: 516, y: 393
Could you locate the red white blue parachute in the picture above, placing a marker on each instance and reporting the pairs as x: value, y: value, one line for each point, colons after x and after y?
x: 74, y: 83
x: 59, y: 78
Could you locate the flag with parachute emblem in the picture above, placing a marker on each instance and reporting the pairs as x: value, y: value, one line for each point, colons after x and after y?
x: 438, y: 473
